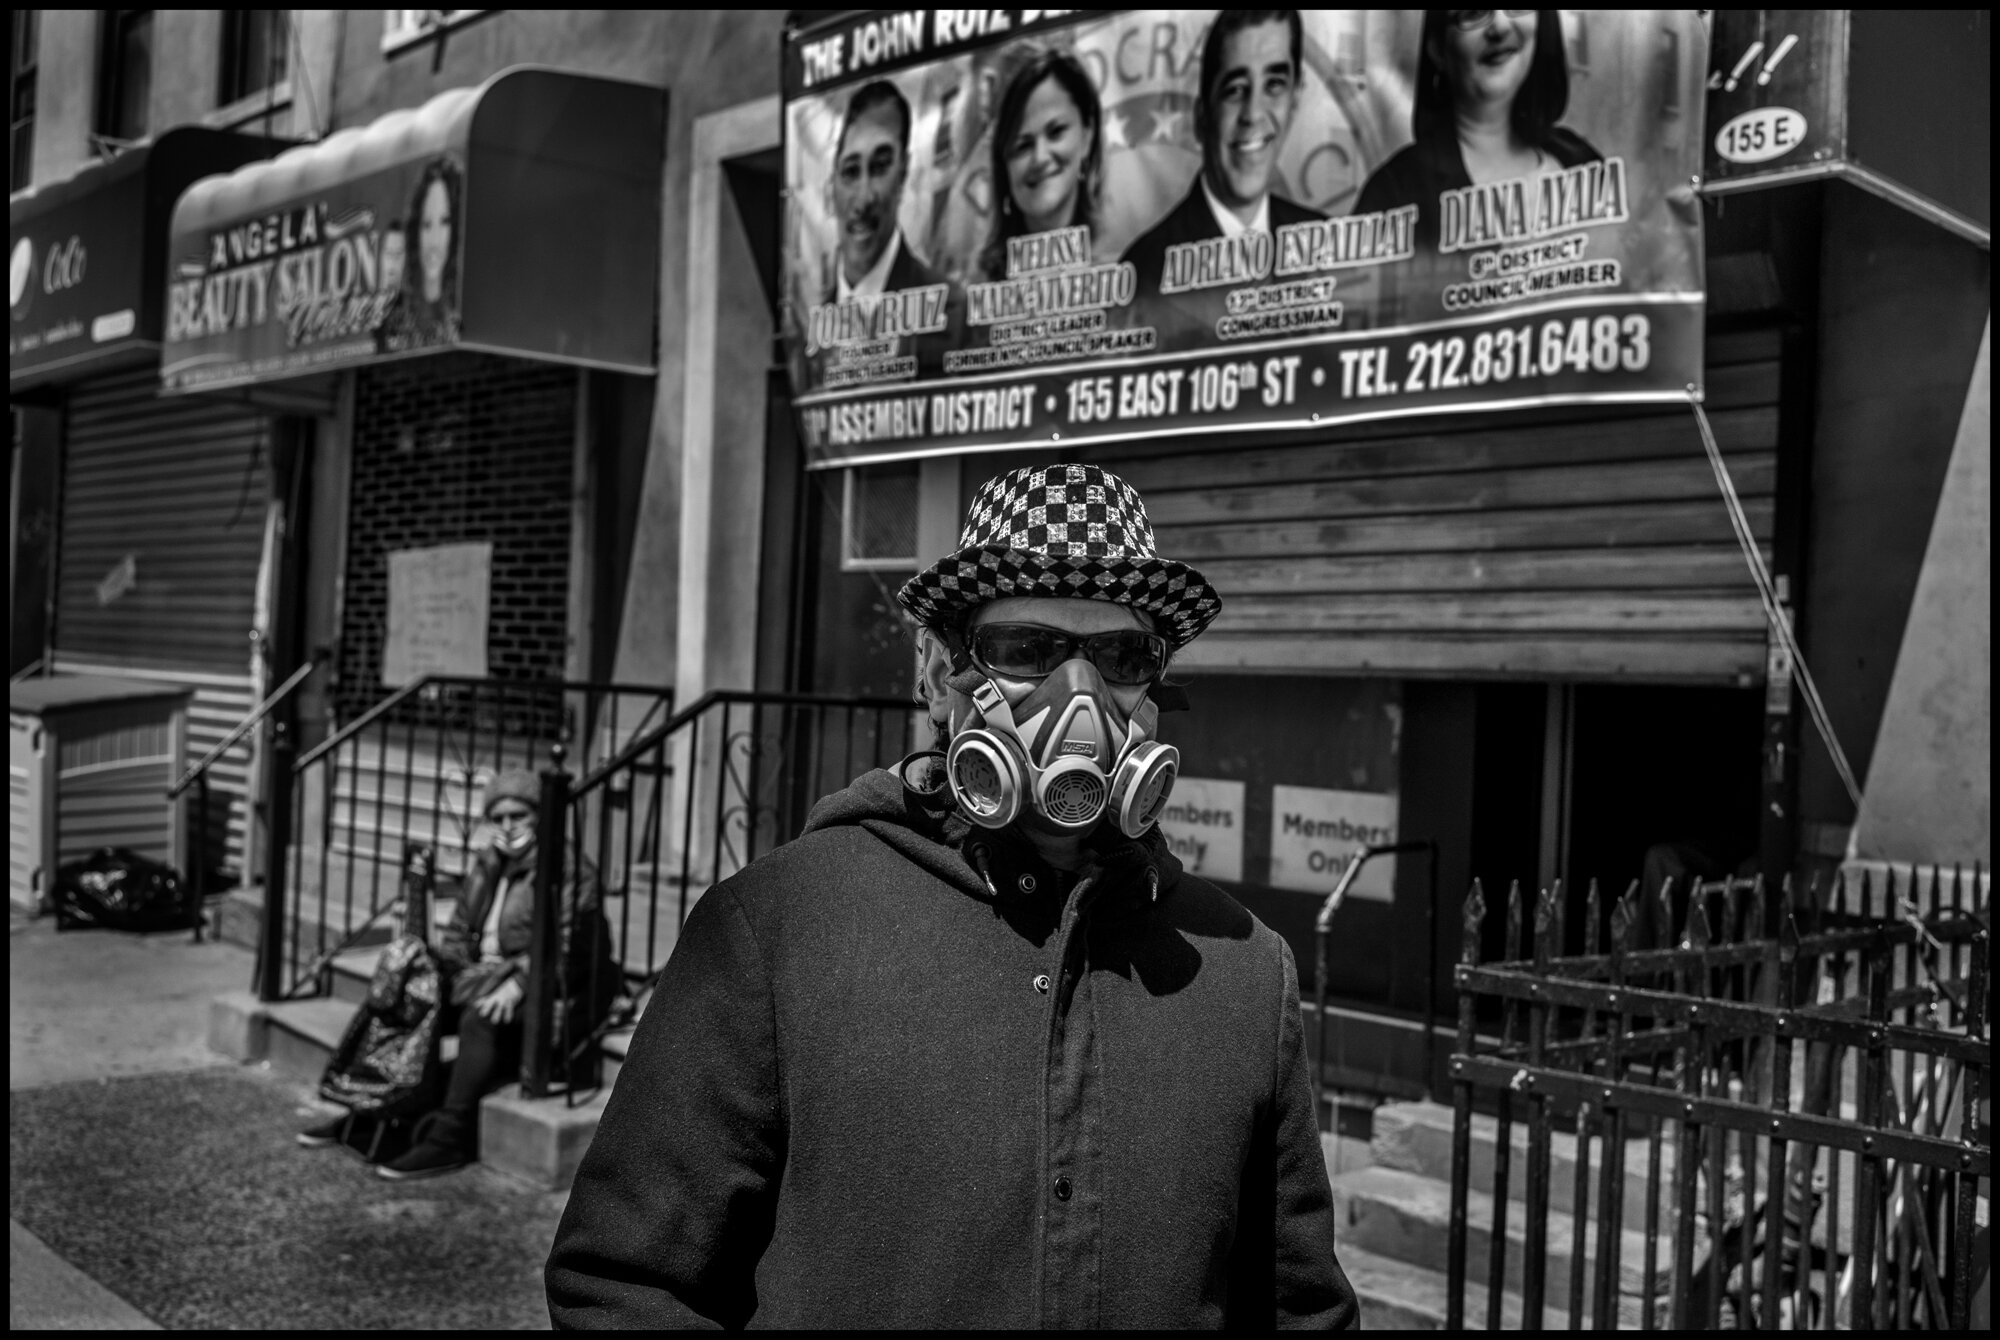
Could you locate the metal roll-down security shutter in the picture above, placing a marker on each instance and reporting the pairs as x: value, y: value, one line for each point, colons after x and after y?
x: 1527, y: 545
x: 162, y: 534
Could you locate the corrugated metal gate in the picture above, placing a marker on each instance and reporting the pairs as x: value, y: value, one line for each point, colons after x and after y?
x: 1574, y: 548
x: 161, y: 539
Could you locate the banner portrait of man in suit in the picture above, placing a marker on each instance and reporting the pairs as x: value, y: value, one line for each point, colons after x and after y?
x: 1216, y: 237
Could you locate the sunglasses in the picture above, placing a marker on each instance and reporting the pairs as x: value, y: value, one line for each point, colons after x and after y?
x: 1127, y: 657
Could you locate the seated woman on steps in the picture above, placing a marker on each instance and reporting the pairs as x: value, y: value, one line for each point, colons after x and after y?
x: 484, y: 954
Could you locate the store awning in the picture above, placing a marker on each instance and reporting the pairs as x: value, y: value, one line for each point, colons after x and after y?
x: 520, y: 217
x: 87, y: 256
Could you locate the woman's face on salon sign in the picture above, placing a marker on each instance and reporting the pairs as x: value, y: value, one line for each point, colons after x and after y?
x: 434, y: 238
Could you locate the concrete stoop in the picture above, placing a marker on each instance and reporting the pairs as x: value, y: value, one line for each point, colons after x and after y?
x: 539, y: 1141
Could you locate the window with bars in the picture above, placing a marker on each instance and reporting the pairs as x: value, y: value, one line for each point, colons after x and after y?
x: 255, y: 52
x: 125, y: 77
x: 21, y: 101
x: 878, y: 517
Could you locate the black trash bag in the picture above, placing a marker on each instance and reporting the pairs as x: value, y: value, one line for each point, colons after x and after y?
x: 119, y: 889
x: 387, y: 1066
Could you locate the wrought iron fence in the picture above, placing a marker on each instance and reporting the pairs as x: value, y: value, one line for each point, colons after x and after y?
x: 412, y: 771
x: 1805, y: 1074
x: 680, y: 807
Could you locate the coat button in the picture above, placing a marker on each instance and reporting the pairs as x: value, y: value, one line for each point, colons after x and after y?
x: 1063, y: 1188
x: 1026, y: 884
x: 1042, y: 983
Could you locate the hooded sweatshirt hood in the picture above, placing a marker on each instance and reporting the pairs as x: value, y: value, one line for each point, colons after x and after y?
x: 909, y: 808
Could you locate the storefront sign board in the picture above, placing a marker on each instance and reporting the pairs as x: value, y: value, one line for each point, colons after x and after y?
x: 85, y: 256
x: 1087, y: 281
x: 438, y: 604
x: 1314, y: 830
x: 1203, y: 825
x: 1897, y: 102
x: 520, y: 217
x: 366, y: 266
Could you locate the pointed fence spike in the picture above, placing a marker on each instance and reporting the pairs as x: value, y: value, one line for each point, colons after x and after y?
x: 1867, y: 893
x: 1665, y: 912
x: 1514, y: 922
x: 1788, y: 938
x: 1696, y: 936
x: 1623, y: 913
x: 1591, y: 911
x: 1840, y: 894
x: 1475, y: 919
x: 1558, y: 927
x: 1937, y: 890
x: 1754, y: 927
x: 1731, y: 929
x: 1957, y: 887
x: 1545, y: 922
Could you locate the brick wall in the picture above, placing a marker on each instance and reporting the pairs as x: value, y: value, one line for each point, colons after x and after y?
x: 451, y: 448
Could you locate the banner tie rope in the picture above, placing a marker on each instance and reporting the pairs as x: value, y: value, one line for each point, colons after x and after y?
x: 1774, y: 614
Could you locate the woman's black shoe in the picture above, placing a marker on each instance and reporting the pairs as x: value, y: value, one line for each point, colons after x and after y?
x: 444, y: 1143
x: 327, y: 1133
x: 431, y: 1158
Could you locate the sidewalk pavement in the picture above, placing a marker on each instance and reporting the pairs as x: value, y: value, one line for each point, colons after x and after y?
x: 116, y: 1100
x: 94, y: 1005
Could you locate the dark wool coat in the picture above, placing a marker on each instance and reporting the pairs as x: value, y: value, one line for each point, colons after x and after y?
x: 870, y: 1092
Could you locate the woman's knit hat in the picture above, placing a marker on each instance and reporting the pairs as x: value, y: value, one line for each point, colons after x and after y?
x: 514, y: 784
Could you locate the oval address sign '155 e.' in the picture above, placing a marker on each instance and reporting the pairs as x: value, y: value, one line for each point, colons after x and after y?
x: 1761, y: 134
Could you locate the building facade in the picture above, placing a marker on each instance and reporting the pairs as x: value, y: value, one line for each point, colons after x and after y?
x: 192, y: 500
x: 1526, y: 635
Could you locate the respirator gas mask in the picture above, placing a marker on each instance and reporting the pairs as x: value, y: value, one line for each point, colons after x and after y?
x: 1066, y: 750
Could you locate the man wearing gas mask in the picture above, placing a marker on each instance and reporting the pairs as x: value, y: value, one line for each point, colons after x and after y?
x: 975, y: 1050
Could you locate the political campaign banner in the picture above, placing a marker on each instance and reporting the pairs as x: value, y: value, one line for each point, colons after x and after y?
x: 1011, y: 226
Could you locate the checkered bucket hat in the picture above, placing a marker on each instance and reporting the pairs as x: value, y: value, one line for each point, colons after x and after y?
x: 1062, y: 530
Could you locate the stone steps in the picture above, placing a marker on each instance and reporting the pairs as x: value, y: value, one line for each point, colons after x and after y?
x: 537, y: 1140
x: 1405, y: 1216
x: 1398, y: 1296
x: 1416, y: 1137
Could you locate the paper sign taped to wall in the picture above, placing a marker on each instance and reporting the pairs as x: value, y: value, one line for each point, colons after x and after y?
x: 438, y: 600
x: 1314, y: 830
x: 1203, y: 825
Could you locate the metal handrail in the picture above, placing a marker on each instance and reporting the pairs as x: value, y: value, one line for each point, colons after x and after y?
x: 325, y: 764
x: 396, y: 699
x: 651, y: 740
x: 359, y: 724
x: 243, y: 728
x: 589, y: 805
x: 1322, y: 927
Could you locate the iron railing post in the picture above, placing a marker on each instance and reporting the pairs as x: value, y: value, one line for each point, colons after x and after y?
x: 1461, y: 1123
x: 1322, y: 927
x: 277, y: 854
x: 200, y: 871
x: 537, y: 1035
